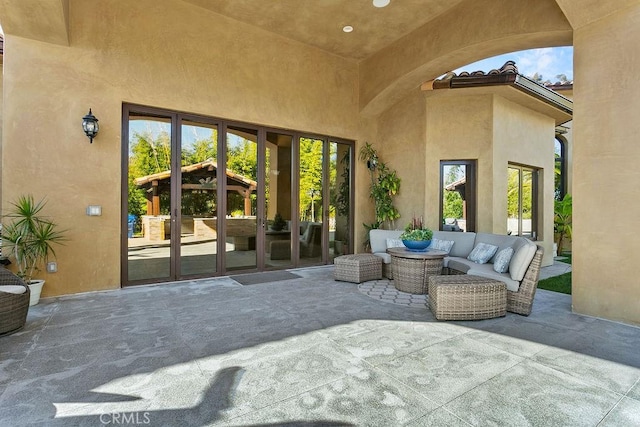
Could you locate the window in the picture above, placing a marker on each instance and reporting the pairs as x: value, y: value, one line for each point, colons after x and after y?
x: 560, y: 173
x: 458, y: 195
x: 522, y: 201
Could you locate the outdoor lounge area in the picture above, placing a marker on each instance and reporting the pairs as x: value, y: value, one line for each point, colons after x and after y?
x: 308, y: 350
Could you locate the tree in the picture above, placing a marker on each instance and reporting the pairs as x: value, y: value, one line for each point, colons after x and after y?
x: 310, y: 178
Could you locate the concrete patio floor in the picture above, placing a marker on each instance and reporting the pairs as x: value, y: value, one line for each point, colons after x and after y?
x: 310, y: 351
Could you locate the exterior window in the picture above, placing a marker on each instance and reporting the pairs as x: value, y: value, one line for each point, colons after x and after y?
x: 560, y: 174
x: 522, y: 201
x: 458, y: 195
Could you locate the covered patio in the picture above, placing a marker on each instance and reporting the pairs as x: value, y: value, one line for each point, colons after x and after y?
x: 310, y: 351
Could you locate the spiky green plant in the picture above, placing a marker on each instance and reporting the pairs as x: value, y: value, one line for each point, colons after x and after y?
x: 29, y: 237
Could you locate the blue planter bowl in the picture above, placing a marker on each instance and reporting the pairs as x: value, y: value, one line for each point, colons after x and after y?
x: 417, y: 245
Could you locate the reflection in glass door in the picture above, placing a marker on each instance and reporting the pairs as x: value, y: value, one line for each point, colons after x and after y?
x: 198, y: 200
x: 203, y: 197
x: 148, y: 197
x: 339, y: 199
x: 278, y: 235
x: 241, y: 217
x: 311, y: 200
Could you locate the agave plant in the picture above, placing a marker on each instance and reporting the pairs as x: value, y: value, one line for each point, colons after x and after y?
x: 29, y: 237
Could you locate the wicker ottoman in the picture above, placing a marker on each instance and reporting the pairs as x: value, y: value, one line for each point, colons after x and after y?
x: 467, y: 297
x: 358, y: 268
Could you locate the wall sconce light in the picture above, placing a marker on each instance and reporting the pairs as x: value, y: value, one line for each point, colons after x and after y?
x: 90, y: 126
x: 372, y: 163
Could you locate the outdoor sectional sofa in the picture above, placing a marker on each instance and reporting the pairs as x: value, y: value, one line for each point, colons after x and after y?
x: 521, y: 277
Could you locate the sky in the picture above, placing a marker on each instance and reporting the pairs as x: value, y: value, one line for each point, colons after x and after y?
x: 548, y: 61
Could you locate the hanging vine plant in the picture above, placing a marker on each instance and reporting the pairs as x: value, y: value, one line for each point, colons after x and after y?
x: 385, y: 184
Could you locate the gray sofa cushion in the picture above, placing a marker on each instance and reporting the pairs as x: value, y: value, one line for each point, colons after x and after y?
x: 378, y: 239
x: 457, y: 263
x: 463, y: 242
x: 386, y: 258
x: 486, y: 270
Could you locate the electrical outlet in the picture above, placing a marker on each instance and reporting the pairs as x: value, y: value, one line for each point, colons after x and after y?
x: 52, y: 267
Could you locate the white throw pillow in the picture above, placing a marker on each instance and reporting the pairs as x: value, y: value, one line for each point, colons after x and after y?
x: 482, y: 253
x: 394, y: 243
x: 442, y: 245
x: 521, y: 259
x: 502, y: 259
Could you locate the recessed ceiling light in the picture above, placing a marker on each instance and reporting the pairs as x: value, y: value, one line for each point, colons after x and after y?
x: 347, y: 28
x: 381, y: 3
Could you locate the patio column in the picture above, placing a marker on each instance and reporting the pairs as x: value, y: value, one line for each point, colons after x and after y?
x: 606, y: 153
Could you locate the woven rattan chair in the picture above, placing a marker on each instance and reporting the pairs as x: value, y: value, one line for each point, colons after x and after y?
x: 13, y: 306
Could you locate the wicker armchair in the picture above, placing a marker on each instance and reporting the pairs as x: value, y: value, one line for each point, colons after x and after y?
x: 14, y: 302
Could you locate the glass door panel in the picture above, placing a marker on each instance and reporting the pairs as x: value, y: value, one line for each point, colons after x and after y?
x: 198, y: 197
x: 241, y: 185
x: 311, y: 200
x: 278, y: 236
x: 148, y: 198
x: 513, y: 201
x: 339, y: 199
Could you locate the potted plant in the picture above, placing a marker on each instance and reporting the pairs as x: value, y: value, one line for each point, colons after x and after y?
x: 563, y: 211
x: 385, y: 185
x: 29, y: 238
x: 278, y: 223
x: 416, y: 236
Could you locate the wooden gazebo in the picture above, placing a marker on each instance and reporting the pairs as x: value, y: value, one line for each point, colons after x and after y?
x: 198, y: 176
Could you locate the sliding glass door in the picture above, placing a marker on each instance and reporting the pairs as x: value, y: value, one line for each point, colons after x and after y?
x: 204, y: 197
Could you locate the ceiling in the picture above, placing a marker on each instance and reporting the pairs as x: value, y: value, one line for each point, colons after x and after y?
x: 319, y: 22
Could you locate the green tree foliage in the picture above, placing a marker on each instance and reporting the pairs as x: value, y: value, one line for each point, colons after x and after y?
x: 147, y: 156
x: 310, y: 178
x: 513, y: 194
x: 452, y: 203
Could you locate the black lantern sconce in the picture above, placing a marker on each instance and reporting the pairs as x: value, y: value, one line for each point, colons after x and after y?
x: 90, y: 126
x: 372, y: 163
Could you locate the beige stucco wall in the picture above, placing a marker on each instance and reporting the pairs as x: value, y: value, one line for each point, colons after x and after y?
x: 606, y: 198
x: 527, y: 138
x: 401, y: 145
x: 459, y: 127
x: 165, y: 54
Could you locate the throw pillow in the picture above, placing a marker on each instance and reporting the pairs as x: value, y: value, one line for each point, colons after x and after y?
x: 521, y: 259
x: 394, y: 243
x: 442, y: 245
x: 482, y: 253
x: 502, y: 259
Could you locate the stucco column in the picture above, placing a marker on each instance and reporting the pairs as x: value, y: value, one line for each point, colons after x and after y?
x: 606, y: 209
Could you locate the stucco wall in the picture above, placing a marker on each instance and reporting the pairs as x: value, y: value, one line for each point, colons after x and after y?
x: 524, y: 137
x: 606, y: 198
x: 459, y: 127
x: 165, y: 54
x: 401, y: 145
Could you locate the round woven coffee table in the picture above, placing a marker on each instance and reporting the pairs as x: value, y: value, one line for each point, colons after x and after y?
x: 411, y: 269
